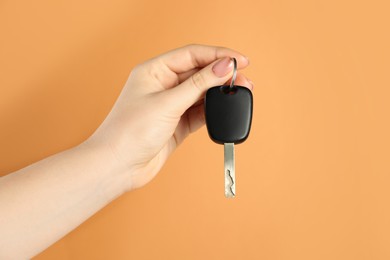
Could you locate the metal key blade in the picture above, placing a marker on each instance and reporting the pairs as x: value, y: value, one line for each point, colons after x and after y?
x: 230, y: 178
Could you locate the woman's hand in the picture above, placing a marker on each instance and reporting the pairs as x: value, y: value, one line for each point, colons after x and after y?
x: 160, y: 105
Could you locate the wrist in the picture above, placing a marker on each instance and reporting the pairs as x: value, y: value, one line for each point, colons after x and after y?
x: 114, y: 178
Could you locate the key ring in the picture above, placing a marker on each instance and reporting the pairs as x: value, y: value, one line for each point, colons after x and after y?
x: 234, y: 73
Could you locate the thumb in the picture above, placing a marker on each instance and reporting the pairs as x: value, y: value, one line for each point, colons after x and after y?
x: 183, y: 96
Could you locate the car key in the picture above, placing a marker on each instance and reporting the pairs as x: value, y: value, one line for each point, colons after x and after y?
x: 228, y: 113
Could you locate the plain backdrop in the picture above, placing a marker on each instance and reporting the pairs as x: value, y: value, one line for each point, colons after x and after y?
x: 313, y: 176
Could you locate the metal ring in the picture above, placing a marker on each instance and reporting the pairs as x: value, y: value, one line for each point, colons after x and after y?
x: 234, y: 72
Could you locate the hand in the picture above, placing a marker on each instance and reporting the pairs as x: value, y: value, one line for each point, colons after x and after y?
x: 161, y: 104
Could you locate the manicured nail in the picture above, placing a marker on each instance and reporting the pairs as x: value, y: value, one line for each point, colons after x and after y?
x: 223, y: 67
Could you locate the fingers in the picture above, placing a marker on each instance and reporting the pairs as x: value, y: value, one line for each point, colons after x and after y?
x: 196, y: 118
x: 183, y: 96
x: 185, y: 75
x: 197, y: 56
x: 241, y: 80
x: 191, y: 121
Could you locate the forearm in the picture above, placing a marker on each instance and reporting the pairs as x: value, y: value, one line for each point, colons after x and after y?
x: 41, y: 203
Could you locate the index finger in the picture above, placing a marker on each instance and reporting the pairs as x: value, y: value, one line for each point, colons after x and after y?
x: 198, y: 56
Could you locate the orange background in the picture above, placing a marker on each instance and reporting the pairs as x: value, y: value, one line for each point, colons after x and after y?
x: 313, y: 177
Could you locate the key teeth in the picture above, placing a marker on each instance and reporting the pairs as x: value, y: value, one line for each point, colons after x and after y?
x: 229, y: 190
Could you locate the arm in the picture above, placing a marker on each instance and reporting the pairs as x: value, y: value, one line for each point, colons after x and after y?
x: 42, y: 202
x: 159, y: 106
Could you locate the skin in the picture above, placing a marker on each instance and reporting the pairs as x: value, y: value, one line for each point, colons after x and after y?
x: 159, y: 106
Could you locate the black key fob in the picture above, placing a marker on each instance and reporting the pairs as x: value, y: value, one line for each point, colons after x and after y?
x: 228, y: 113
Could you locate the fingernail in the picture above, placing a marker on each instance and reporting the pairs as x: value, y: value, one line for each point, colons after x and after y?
x: 223, y: 67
